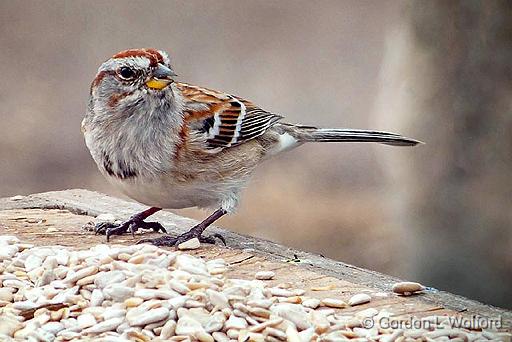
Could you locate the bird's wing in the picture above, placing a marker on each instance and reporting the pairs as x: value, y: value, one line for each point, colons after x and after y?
x: 222, y: 120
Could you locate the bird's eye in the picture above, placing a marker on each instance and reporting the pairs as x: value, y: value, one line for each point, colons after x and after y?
x: 126, y: 73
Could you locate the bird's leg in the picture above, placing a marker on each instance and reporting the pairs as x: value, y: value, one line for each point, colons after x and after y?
x: 195, y: 232
x: 132, y: 224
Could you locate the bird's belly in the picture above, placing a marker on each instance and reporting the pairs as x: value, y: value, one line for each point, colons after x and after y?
x: 163, y: 193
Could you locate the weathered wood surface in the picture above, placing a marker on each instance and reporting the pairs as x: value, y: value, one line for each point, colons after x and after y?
x: 57, y: 217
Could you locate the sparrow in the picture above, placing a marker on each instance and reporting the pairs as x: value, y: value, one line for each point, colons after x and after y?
x: 171, y: 145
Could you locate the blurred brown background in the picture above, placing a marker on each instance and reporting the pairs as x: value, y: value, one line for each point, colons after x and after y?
x: 438, y: 71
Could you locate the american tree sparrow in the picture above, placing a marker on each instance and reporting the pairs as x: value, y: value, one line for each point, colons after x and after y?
x: 169, y: 144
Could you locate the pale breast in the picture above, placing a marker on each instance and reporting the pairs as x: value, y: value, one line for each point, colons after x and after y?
x: 198, y: 179
x: 168, y: 193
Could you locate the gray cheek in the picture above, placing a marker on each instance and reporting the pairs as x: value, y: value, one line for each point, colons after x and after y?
x: 112, y: 86
x: 114, y: 95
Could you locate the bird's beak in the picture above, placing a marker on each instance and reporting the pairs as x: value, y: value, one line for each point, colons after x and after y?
x: 161, y: 77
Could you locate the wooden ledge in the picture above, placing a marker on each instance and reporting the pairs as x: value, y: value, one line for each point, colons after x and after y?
x: 57, y: 217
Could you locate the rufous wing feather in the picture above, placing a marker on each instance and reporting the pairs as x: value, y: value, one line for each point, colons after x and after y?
x: 225, y: 120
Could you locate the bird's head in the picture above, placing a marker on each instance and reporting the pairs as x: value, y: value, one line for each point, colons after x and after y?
x: 132, y: 80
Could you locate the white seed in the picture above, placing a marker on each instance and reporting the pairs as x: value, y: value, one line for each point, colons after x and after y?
x: 134, y: 334
x: 191, y: 265
x: 360, y: 298
x: 292, y: 335
x: 138, y: 259
x: 188, y: 326
x: 32, y: 262
x: 105, y: 278
x: 8, y: 251
x: 203, y: 336
x: 261, y: 303
x: 97, y: 297
x: 333, y: 303
x: 24, y: 305
x: 153, y: 315
x: 370, y: 312
x: 233, y: 333
x: 278, y: 292
x: 307, y: 335
x: 68, y: 334
x: 70, y: 323
x: 407, y: 288
x: 132, y: 281
x: 8, y: 240
x: 6, y: 294
x: 269, y: 323
x: 118, y: 293
x: 178, y: 286
x: 218, y: 299
x: 15, y: 283
x: 59, y: 314
x: 324, y: 288
x: 133, y: 302
x: 86, y: 280
x: 152, y: 294
x: 62, y: 256
x: 320, y: 321
x: 265, y: 275
x: 414, y: 333
x: 123, y: 327
x: 393, y: 337
x: 112, y: 313
x: 236, y: 323
x: 107, y: 325
x: 220, y: 337
x: 84, y: 272
x: 215, y: 322
x: 190, y: 244
x: 53, y: 327
x: 293, y: 312
x: 311, y: 303
x: 86, y: 320
x: 168, y: 329
x: 144, y: 293
x: 178, y: 302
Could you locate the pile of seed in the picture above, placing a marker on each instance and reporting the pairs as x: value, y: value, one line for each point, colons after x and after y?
x: 145, y: 293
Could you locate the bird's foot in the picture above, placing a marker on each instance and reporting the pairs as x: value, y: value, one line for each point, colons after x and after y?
x: 174, y: 241
x: 132, y: 224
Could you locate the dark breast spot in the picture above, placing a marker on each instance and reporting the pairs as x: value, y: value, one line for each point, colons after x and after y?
x: 120, y: 170
x: 107, y: 165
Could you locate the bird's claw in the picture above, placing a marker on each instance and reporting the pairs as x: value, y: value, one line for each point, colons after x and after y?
x: 174, y: 241
x: 132, y: 225
x: 212, y: 238
x: 117, y: 230
x: 102, y: 227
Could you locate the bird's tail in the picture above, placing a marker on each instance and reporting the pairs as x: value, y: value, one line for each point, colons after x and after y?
x: 354, y: 135
x: 312, y: 134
